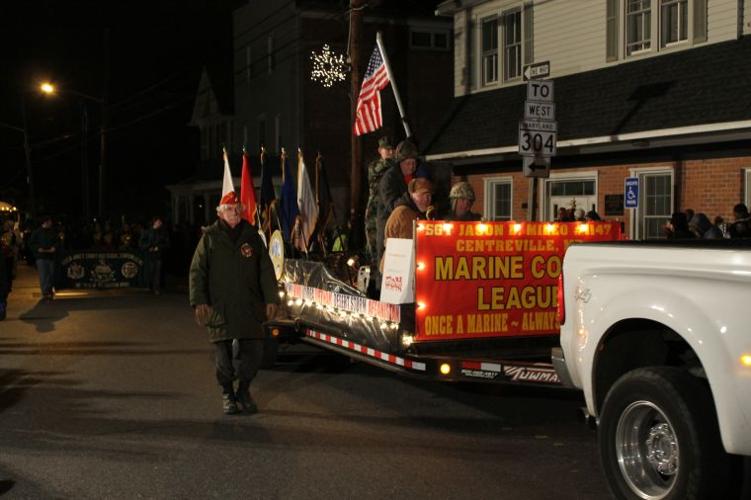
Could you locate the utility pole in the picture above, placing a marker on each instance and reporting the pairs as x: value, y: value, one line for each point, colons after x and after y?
x: 105, y: 117
x: 85, y: 160
x: 356, y: 179
x: 27, y: 151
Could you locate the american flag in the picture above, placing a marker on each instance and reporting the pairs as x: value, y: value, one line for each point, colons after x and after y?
x: 368, y: 114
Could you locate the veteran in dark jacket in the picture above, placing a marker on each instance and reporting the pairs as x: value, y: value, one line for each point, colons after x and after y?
x: 231, y: 278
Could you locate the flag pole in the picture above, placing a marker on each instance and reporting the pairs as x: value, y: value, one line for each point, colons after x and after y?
x: 386, y: 63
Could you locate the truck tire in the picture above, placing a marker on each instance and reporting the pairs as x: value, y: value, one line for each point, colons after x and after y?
x: 659, y: 438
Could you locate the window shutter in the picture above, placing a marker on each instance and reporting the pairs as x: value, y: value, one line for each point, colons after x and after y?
x: 529, y: 41
x: 611, y: 29
x: 700, y: 21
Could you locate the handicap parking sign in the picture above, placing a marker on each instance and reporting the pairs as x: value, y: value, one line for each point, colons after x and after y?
x: 631, y: 193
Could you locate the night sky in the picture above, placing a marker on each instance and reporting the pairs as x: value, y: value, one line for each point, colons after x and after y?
x: 156, y: 51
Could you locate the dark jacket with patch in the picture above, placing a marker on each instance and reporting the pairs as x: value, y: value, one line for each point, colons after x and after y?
x: 236, y: 279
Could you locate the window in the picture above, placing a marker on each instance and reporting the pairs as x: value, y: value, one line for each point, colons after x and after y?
x: 572, y: 188
x: 512, y: 45
x: 655, y: 204
x: 425, y: 39
x: 498, y: 198
x: 489, y: 51
x: 270, y: 53
x: 673, y: 22
x: 571, y: 193
x: 638, y: 26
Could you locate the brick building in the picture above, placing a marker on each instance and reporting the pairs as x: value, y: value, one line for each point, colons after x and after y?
x: 653, y: 89
x: 277, y: 105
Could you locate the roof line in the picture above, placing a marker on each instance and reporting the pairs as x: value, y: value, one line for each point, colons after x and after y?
x: 604, y: 139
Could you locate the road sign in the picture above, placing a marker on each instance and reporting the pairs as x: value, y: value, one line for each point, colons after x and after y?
x: 536, y: 70
x: 540, y: 90
x: 534, y: 142
x: 536, y: 166
x: 631, y: 193
x: 548, y: 126
x: 539, y: 110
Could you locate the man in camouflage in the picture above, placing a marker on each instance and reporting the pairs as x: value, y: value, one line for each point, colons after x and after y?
x: 376, y: 169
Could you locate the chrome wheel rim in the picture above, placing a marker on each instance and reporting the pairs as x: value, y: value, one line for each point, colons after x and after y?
x: 647, y: 450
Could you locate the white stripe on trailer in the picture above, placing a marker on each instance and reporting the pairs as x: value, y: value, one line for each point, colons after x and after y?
x: 381, y: 356
x: 490, y: 367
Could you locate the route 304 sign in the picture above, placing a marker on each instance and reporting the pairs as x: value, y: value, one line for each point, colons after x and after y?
x: 536, y: 142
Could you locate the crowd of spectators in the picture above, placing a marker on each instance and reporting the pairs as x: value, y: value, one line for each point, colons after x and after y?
x: 692, y: 225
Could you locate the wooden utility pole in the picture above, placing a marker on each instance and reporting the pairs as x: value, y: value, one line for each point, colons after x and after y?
x: 356, y: 179
x: 105, y: 124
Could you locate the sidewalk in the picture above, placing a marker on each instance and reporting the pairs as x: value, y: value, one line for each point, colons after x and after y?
x: 26, y: 291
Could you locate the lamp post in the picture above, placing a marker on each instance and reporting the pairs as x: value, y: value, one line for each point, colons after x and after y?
x: 50, y: 89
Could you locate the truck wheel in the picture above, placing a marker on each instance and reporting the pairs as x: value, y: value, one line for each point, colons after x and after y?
x: 659, y: 438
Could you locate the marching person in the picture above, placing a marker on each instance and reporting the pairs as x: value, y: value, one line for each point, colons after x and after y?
x: 231, y: 278
x: 44, y: 243
x: 462, y: 197
x: 154, y: 241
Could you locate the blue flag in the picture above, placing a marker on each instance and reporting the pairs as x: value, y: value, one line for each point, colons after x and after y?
x: 288, y: 207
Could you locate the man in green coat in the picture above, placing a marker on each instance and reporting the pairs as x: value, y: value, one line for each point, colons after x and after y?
x: 231, y: 278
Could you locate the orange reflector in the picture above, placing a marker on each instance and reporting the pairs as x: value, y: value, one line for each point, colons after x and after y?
x: 275, y: 332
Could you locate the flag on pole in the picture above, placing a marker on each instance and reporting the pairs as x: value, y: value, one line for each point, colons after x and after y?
x: 228, y: 187
x: 288, y: 204
x: 247, y: 191
x: 368, y: 116
x: 306, y: 202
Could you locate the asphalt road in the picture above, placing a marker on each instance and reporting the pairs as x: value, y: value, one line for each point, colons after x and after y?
x: 112, y: 395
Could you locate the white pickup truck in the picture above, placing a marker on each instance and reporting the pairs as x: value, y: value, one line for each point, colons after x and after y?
x: 658, y: 336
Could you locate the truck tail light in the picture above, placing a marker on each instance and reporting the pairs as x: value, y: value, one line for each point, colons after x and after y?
x: 561, y: 309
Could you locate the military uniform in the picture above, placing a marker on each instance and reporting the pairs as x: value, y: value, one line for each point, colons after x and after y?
x: 376, y: 169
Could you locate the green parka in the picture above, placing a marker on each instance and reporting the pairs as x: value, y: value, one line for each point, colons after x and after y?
x: 235, y: 279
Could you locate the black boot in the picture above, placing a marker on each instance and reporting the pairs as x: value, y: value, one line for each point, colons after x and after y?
x: 229, y: 403
x: 244, y: 398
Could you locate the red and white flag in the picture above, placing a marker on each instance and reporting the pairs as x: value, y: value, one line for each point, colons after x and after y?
x: 247, y: 192
x: 228, y: 187
x: 368, y: 112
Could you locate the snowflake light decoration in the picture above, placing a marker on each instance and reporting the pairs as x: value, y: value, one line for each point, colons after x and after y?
x: 328, y: 67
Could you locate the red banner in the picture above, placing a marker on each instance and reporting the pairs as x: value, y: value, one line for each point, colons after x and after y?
x: 493, y: 279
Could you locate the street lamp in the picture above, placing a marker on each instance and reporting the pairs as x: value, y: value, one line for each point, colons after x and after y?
x: 49, y: 88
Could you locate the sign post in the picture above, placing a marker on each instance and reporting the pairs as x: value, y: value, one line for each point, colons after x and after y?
x: 538, y: 130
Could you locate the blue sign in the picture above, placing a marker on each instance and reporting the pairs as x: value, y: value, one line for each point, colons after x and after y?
x: 631, y: 193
